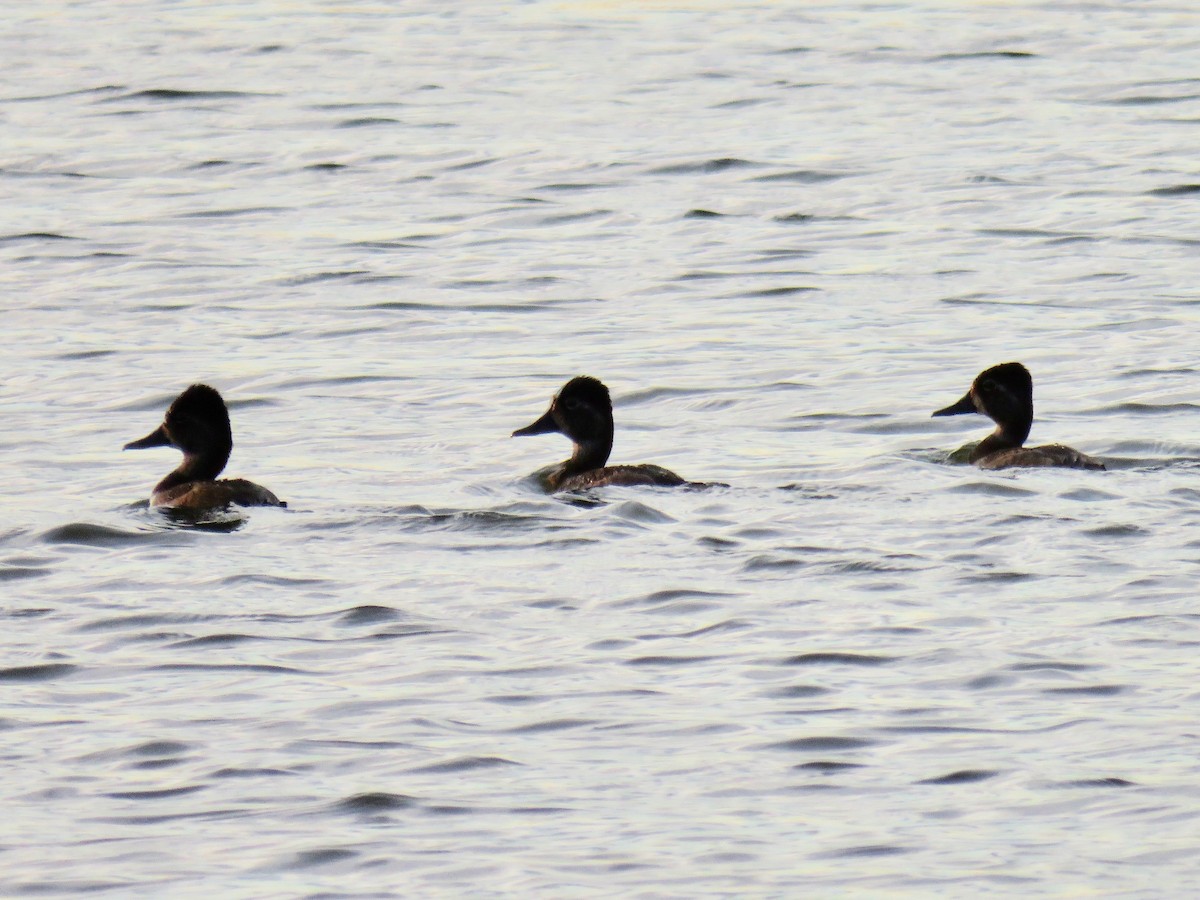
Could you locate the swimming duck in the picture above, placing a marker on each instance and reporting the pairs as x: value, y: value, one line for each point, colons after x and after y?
x: 198, y: 424
x: 1004, y: 394
x: 582, y: 411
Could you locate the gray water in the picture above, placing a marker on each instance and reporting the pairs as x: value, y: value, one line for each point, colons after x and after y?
x: 783, y: 234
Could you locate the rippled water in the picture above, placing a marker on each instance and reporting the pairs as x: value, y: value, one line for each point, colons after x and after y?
x: 783, y: 235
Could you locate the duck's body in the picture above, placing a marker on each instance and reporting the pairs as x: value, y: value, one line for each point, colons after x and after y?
x: 198, y: 424
x: 582, y: 411
x: 213, y: 494
x: 560, y: 478
x: 1004, y: 394
x: 1029, y: 457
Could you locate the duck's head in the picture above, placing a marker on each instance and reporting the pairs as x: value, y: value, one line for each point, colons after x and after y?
x: 582, y: 411
x: 1003, y: 393
x: 196, y: 423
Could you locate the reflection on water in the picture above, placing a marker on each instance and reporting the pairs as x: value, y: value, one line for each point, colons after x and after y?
x: 782, y: 235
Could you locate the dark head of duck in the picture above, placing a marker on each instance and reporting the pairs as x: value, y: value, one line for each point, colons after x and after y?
x: 582, y: 411
x: 197, y: 423
x: 1004, y: 394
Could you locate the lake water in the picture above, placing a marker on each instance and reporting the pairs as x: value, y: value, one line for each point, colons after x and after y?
x: 783, y: 234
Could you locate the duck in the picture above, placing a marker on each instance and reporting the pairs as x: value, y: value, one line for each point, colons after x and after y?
x: 1004, y: 394
x: 197, y: 422
x: 582, y: 411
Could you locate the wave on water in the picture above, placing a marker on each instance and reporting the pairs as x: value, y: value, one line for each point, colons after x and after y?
x: 90, y: 534
x: 176, y: 94
x: 44, y: 672
x: 35, y: 236
x: 706, y: 167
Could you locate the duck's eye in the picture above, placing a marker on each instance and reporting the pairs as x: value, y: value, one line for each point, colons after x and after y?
x: 572, y: 404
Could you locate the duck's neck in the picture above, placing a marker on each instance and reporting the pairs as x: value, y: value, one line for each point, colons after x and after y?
x: 588, y: 456
x: 1007, y: 436
x: 195, y: 467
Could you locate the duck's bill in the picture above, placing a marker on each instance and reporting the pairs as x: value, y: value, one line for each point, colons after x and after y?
x: 965, y: 405
x: 544, y: 425
x: 157, y: 438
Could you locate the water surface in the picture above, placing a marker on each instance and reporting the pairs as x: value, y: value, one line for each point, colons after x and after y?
x: 783, y: 236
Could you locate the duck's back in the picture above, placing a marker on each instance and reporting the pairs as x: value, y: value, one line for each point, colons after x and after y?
x: 214, y: 494
x: 646, y: 474
x: 1046, y: 455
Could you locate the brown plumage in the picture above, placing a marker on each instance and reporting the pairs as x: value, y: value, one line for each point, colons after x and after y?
x: 198, y: 424
x: 646, y: 474
x: 1004, y: 394
x: 582, y: 411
